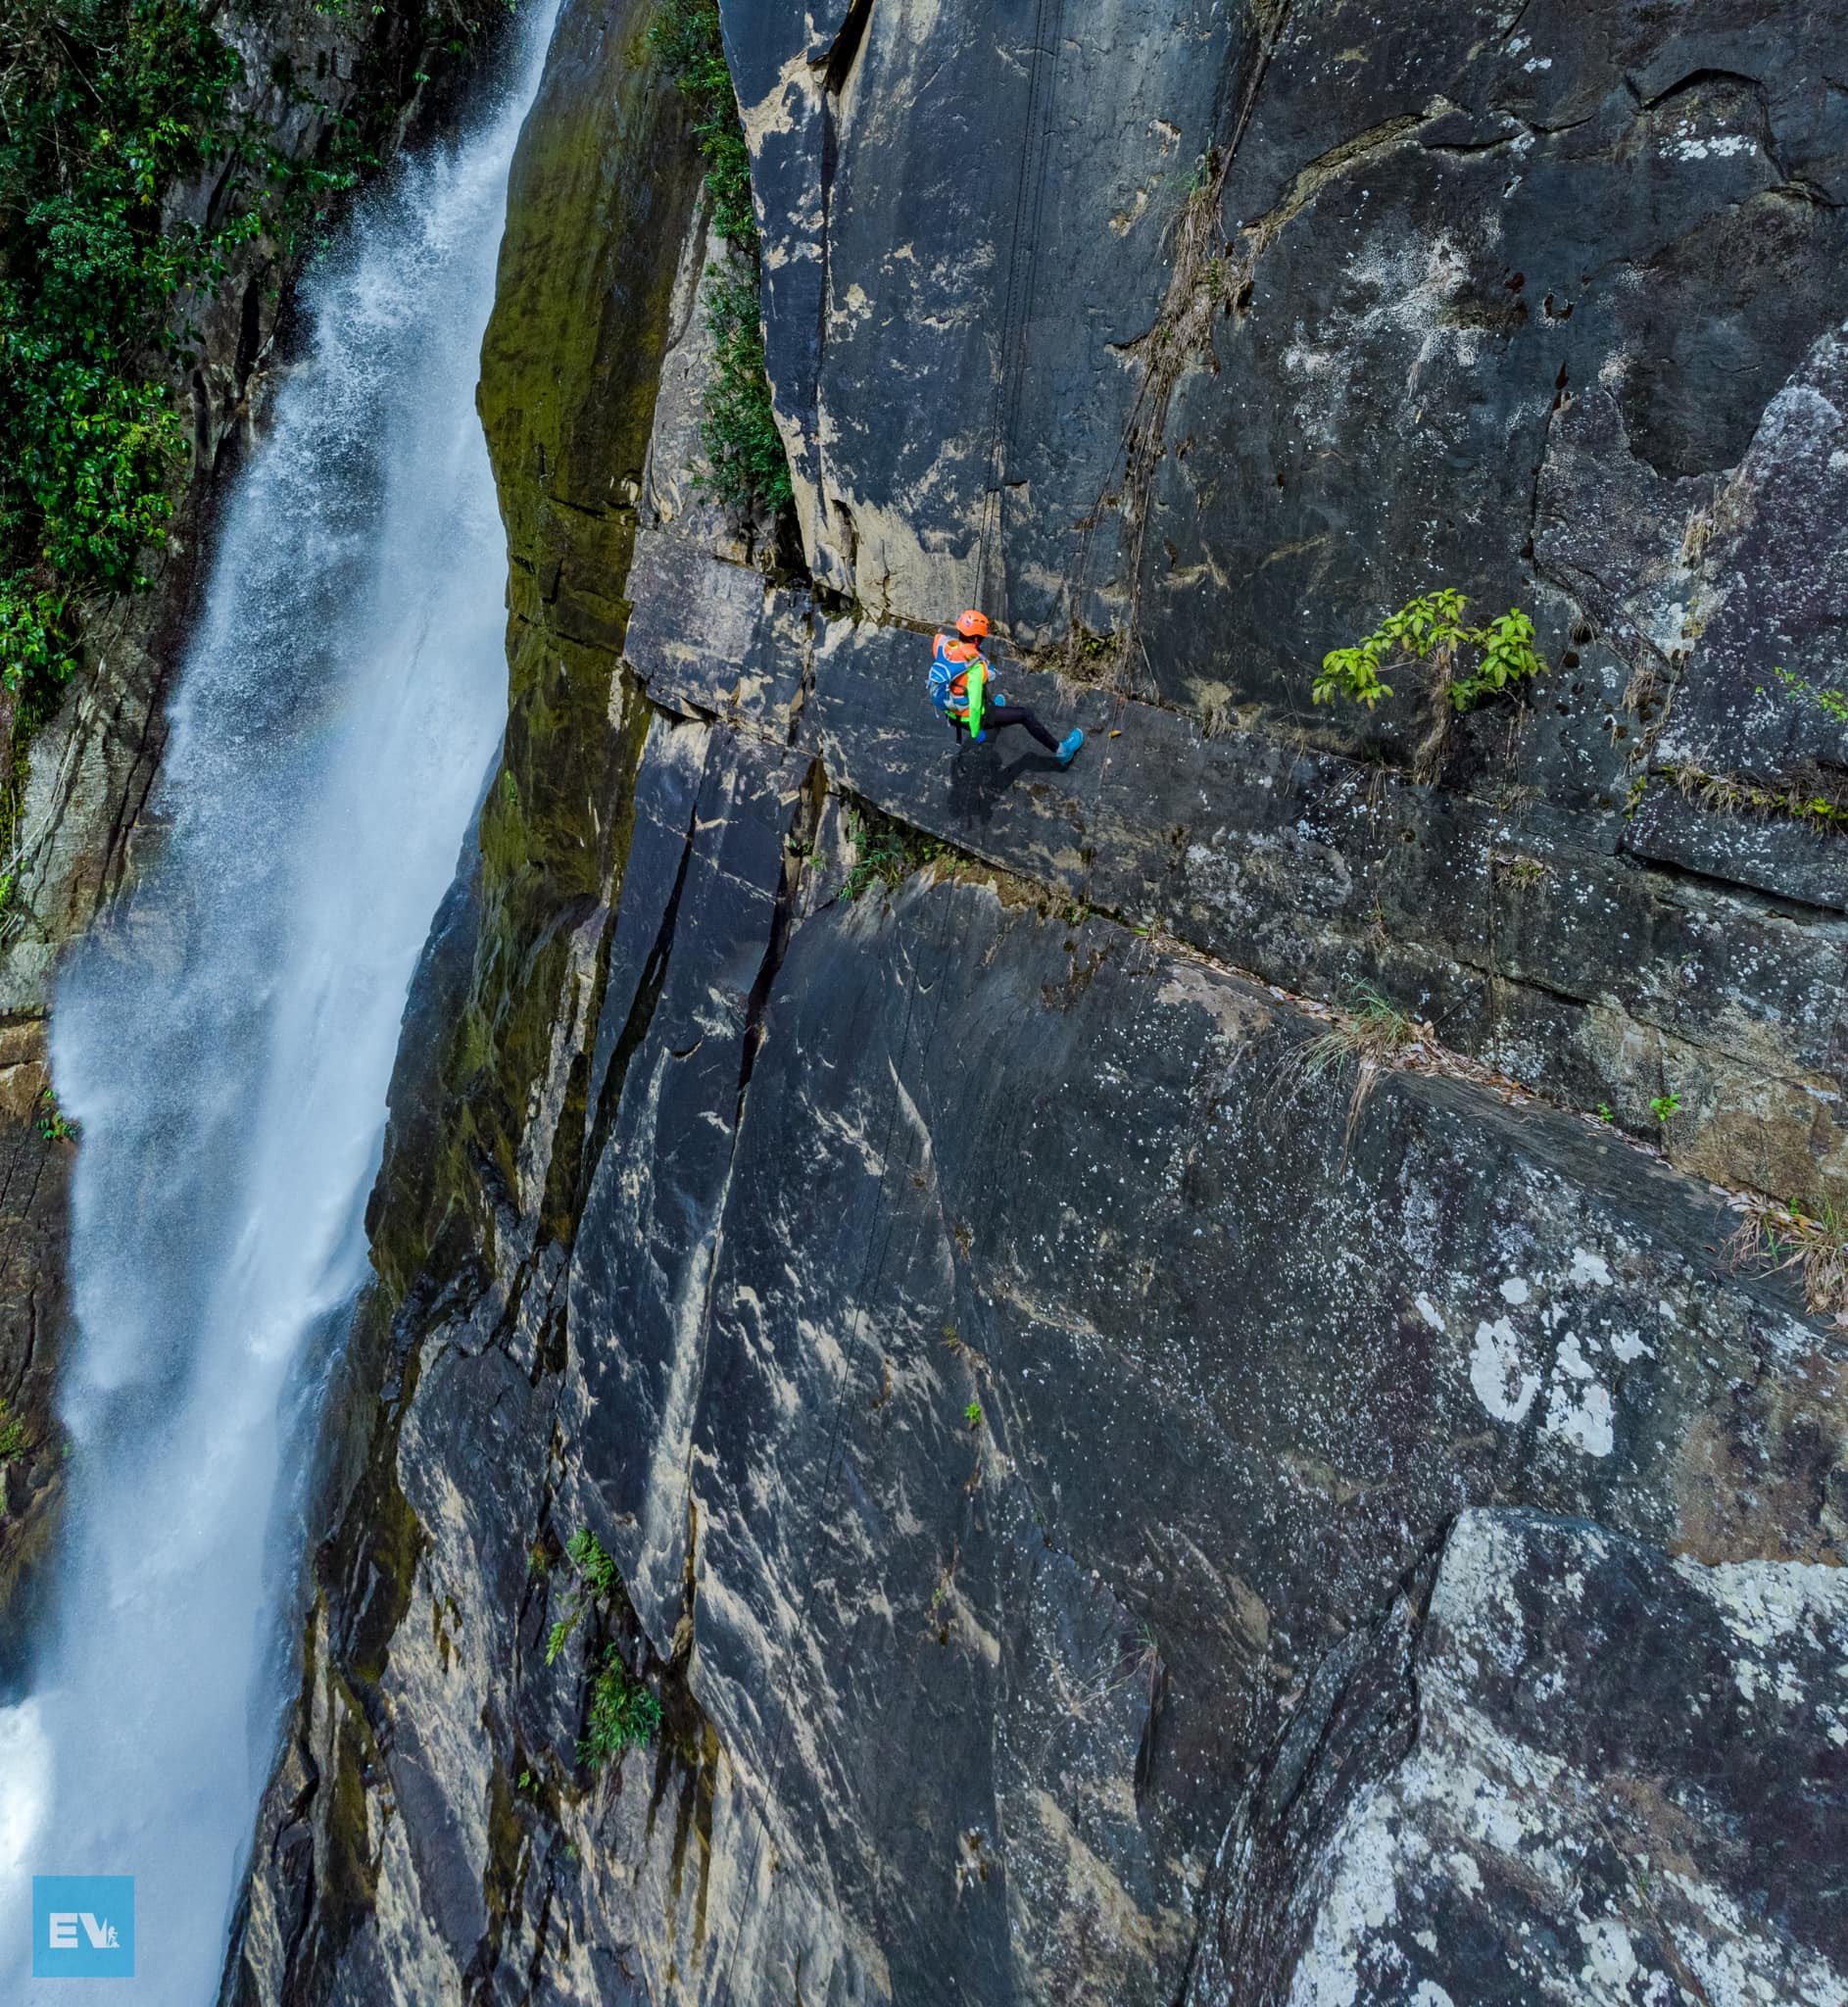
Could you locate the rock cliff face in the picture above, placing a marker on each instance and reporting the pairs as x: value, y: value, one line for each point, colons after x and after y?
x: 1126, y: 1490
x: 378, y: 77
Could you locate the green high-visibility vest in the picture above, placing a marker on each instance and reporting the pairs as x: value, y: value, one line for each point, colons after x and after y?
x: 978, y: 695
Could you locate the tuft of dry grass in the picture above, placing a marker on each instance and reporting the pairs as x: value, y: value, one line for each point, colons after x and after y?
x: 1370, y: 1034
x: 1822, y: 803
x: 1811, y: 1239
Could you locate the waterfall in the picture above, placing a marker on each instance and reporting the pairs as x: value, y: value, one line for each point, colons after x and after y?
x: 224, y: 1042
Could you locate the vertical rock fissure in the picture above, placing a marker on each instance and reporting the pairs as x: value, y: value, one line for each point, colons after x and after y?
x: 796, y: 848
x: 635, y: 1028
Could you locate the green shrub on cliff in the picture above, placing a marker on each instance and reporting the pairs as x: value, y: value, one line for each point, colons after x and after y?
x: 101, y: 107
x: 1431, y: 627
x: 624, y: 1714
x: 747, y: 468
x: 597, y: 1580
x: 885, y: 852
x: 686, y: 34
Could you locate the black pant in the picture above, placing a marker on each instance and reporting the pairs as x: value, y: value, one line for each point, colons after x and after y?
x: 998, y: 716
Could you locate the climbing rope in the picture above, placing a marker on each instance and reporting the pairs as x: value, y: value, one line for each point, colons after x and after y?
x: 1012, y: 348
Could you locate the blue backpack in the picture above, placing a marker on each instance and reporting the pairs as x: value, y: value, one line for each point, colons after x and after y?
x: 944, y: 670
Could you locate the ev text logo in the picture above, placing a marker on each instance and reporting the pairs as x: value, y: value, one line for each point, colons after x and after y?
x: 83, y: 1927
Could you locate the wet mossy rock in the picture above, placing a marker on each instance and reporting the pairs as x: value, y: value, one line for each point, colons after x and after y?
x: 1117, y: 1502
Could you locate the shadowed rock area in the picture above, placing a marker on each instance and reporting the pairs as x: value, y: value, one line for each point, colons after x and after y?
x: 1124, y: 1492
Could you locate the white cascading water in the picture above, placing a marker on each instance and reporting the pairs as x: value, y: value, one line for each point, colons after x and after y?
x: 225, y: 1044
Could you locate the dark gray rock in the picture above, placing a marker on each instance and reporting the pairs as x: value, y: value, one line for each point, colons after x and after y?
x: 964, y: 216
x: 1448, y: 228
x: 676, y: 1047
x: 1539, y: 307
x: 1573, y: 970
x: 712, y: 637
x: 1774, y: 590
x: 1246, y: 1418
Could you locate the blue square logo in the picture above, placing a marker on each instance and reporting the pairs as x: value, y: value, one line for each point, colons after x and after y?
x: 83, y: 1927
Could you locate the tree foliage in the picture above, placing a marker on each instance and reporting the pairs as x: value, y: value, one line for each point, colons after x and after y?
x: 132, y: 174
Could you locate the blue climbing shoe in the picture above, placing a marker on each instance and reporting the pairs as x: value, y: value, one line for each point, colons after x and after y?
x: 1070, y: 745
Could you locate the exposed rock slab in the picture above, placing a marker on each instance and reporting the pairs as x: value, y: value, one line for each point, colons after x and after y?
x: 1583, y: 1773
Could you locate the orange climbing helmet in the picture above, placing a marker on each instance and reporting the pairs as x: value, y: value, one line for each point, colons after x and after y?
x: 972, y: 625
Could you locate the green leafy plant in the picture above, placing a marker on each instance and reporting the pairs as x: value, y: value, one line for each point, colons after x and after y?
x: 53, y: 1124
x: 597, y: 1579
x: 12, y: 1435
x: 1664, y: 1106
x: 972, y: 1414
x: 1603, y: 1113
x: 886, y: 853
x: 1431, y: 627
x: 624, y: 1714
x: 686, y: 35
x: 104, y: 105
x: 748, y: 469
x: 1833, y: 703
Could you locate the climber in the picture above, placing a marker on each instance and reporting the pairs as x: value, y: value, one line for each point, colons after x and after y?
x: 960, y: 677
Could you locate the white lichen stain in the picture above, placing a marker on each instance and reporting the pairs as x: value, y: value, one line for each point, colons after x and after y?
x: 1578, y: 1407
x: 1609, y: 1958
x: 1690, y: 144
x: 1408, y: 286
x: 1502, y: 1381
